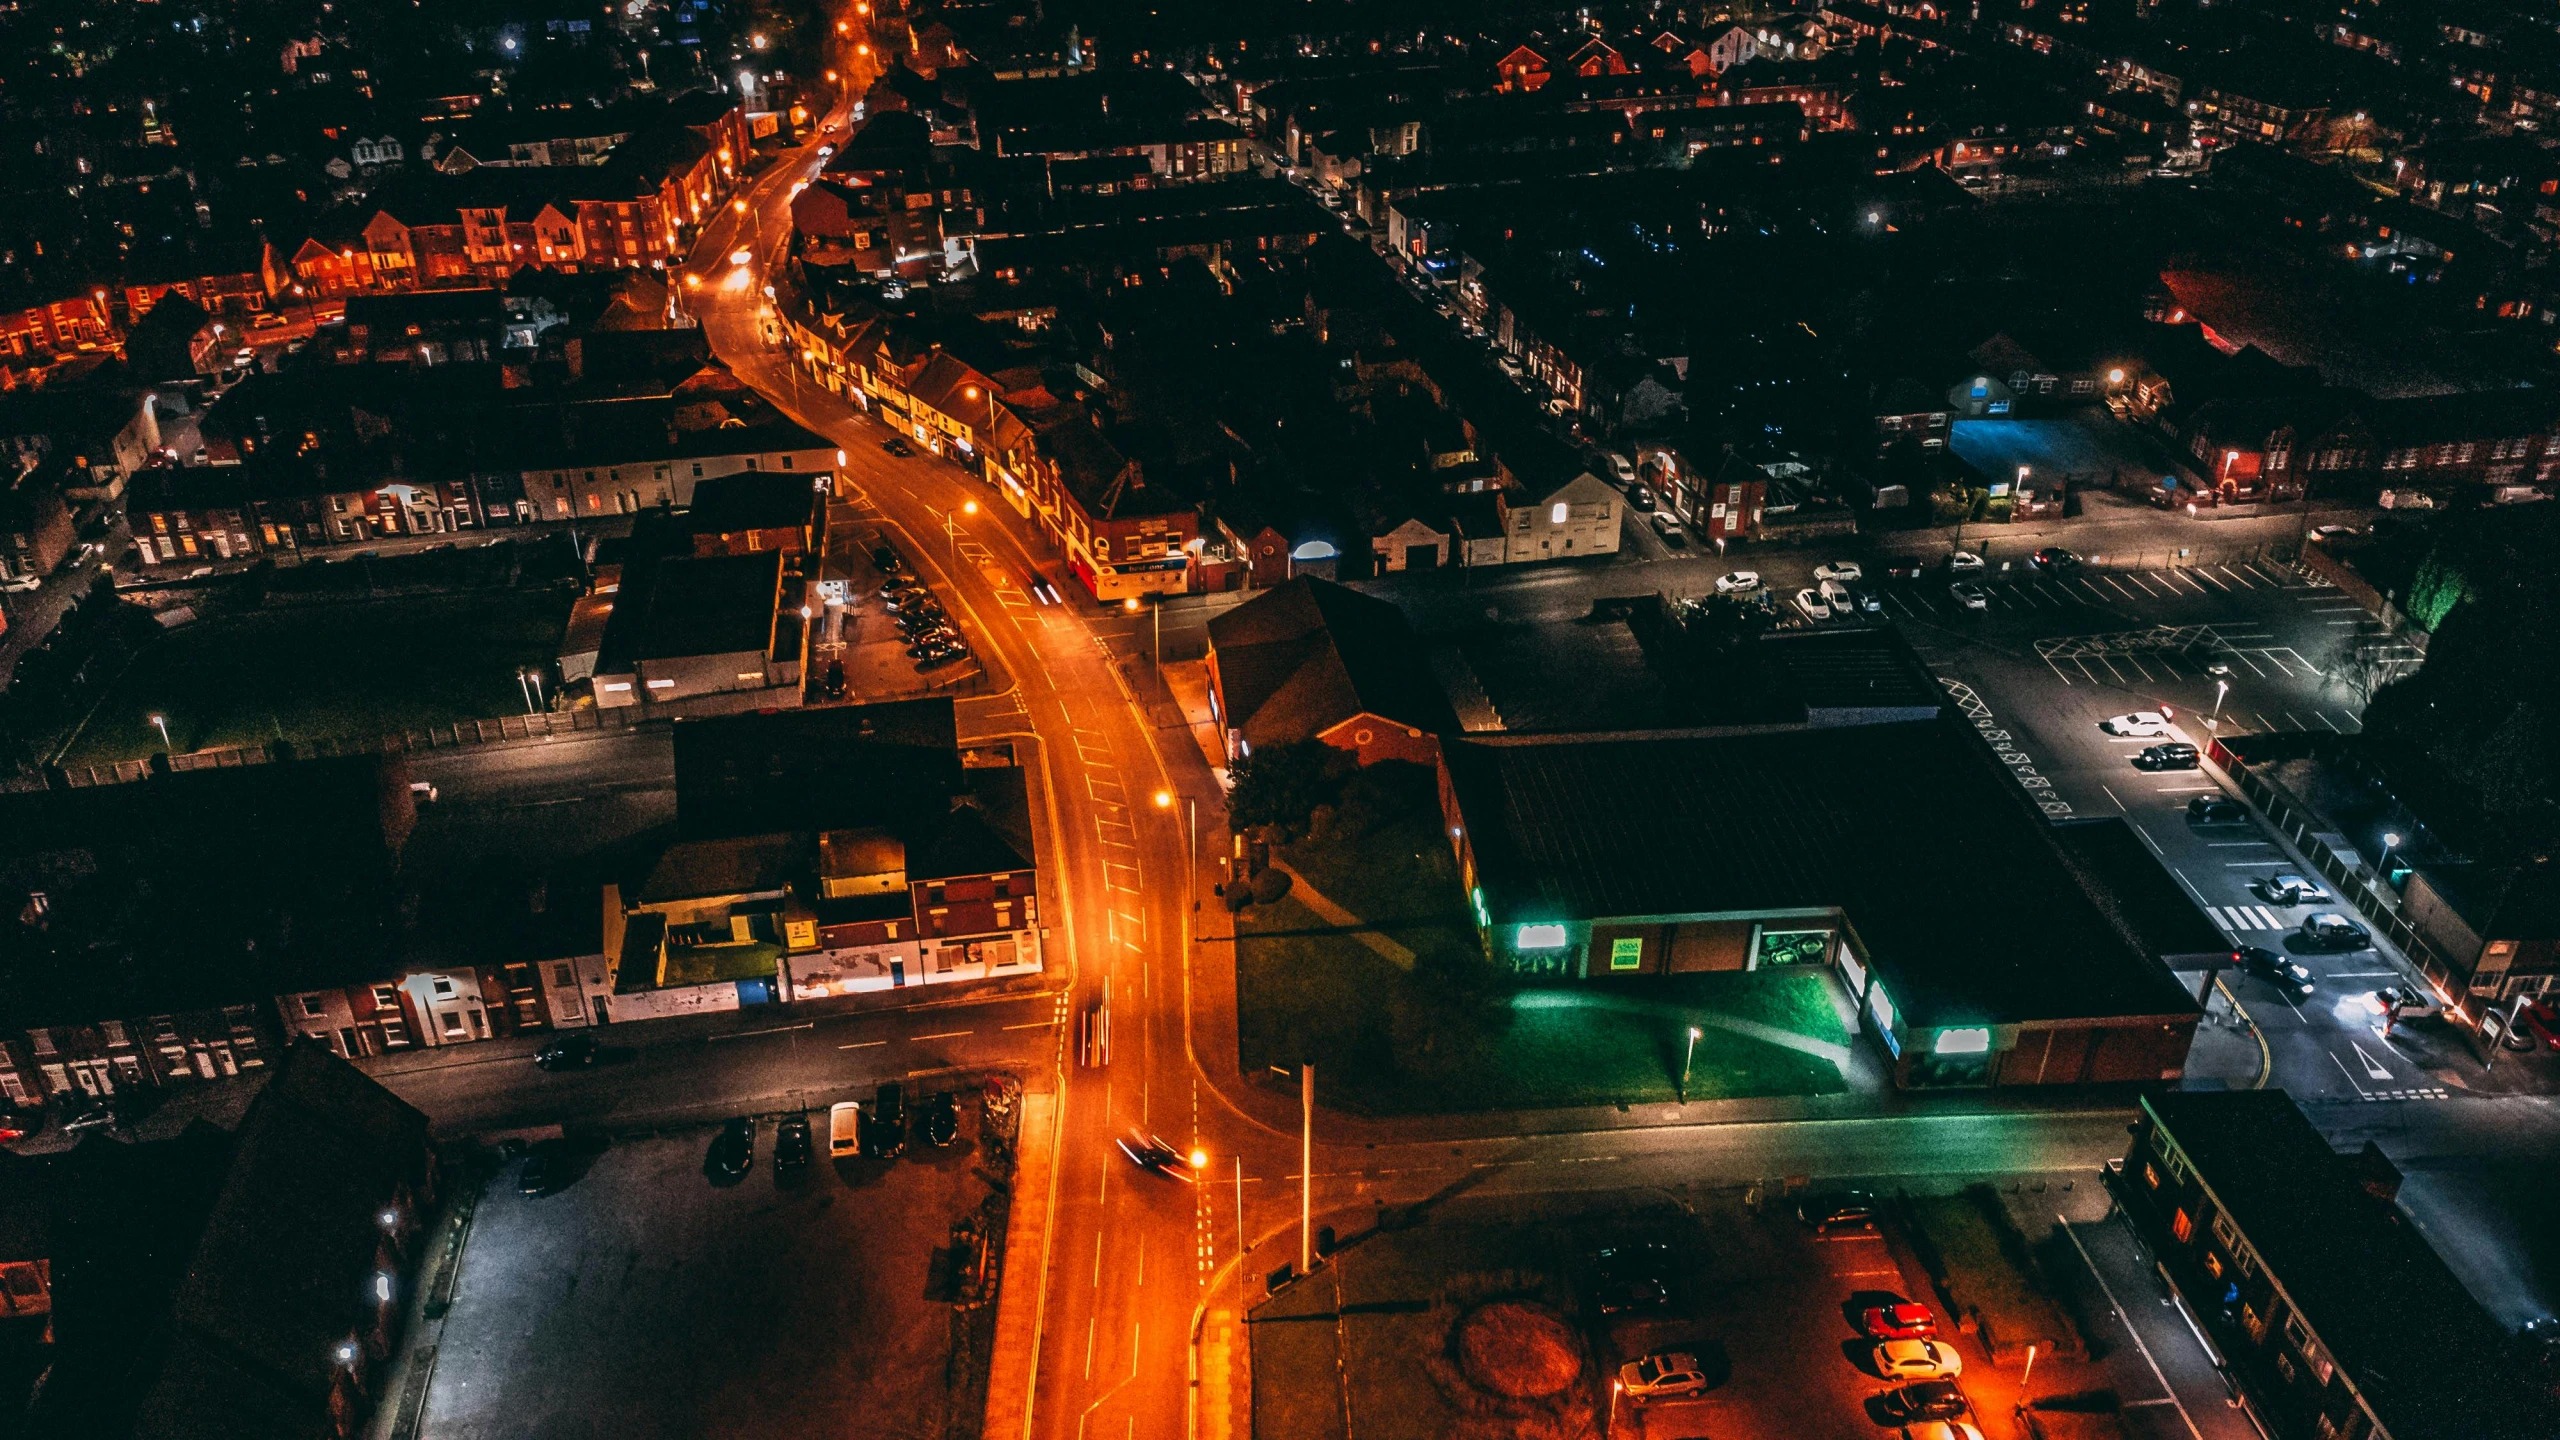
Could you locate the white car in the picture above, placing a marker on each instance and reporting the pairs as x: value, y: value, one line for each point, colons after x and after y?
x: 844, y: 1131
x: 1969, y: 596
x: 1840, y: 570
x: 741, y: 256
x: 1941, y: 1430
x: 1621, y: 469
x: 2140, y: 725
x: 18, y: 584
x: 1740, y: 582
x: 1917, y: 1360
x: 1837, y: 596
x: 1964, y: 562
x: 2290, y: 889
x: 1662, y: 1373
x: 1810, y: 602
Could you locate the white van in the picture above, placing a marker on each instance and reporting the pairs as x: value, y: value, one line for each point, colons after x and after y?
x: 844, y: 1131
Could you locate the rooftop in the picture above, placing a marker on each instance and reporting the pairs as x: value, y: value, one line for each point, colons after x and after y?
x: 1309, y: 654
x: 690, y: 605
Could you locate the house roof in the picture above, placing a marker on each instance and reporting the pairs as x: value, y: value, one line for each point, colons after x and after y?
x: 2427, y: 1357
x: 692, y: 605
x: 732, y: 865
x: 754, y: 500
x: 1309, y: 654
x: 1720, y: 822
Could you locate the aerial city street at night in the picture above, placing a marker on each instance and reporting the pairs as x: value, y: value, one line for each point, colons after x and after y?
x: 1280, y: 720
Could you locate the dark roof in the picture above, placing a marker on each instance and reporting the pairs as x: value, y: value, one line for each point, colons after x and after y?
x: 987, y: 833
x: 816, y: 770
x: 2501, y: 902
x: 755, y: 500
x: 1306, y: 655
x: 689, y: 605
x: 2154, y: 911
x: 1710, y: 822
x: 204, y: 888
x: 2407, y: 1334
x: 1854, y: 670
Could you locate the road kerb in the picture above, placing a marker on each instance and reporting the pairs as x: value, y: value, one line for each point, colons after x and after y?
x: 1015, y: 1362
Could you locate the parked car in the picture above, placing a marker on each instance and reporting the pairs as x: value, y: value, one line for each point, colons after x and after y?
x: 886, y: 558
x: 1927, y: 1400
x: 2054, y: 557
x: 1941, y: 1430
x: 1631, y: 1277
x: 2331, y: 534
x: 2287, y: 888
x: 1917, y: 1360
x: 1154, y: 1152
x: 897, y: 445
x: 1971, y: 597
x: 884, y: 1132
x: 1837, y: 596
x: 1660, y: 1374
x: 2544, y: 1018
x: 1840, y: 570
x: 545, y: 1168
x: 571, y: 1051
x: 1669, y: 529
x: 831, y: 681
x: 2329, y: 930
x: 2282, y: 971
x: 941, y: 1123
x: 2406, y: 1002
x: 1739, y: 582
x: 1812, y: 604
x: 791, y: 1142
x: 2140, y: 724
x: 1898, y: 1319
x: 1621, y: 469
x: 1641, y: 497
x: 844, y: 1130
x: 2175, y: 755
x: 2216, y: 810
x: 1964, y: 562
x: 733, y: 1150
x: 1838, y: 1210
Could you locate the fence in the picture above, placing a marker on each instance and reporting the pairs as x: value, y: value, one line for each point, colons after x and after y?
x: 2318, y: 561
x: 2277, y: 554
x: 2351, y: 881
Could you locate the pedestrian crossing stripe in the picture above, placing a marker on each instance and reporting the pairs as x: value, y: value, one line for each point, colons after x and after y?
x: 2431, y: 1094
x: 2236, y: 918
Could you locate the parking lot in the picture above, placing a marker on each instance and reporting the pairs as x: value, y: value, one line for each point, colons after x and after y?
x: 639, y: 1298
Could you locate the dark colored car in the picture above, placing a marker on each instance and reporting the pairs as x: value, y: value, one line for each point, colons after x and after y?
x: 909, y: 600
x: 831, y: 680
x: 566, y: 1052
x: 1839, y: 1210
x: 1641, y: 496
x: 930, y: 650
x: 2054, y: 557
x: 2216, y: 810
x: 886, y: 557
x: 884, y: 1129
x: 1631, y: 1277
x: 2286, y: 974
x: 2175, y: 755
x: 545, y: 1168
x: 1926, y: 1400
x: 897, y: 445
x: 2328, y: 930
x: 949, y: 656
x: 733, y: 1150
x: 791, y: 1142
x: 941, y: 1118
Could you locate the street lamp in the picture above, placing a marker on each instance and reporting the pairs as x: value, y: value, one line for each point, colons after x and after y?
x: 2220, y: 689
x: 162, y: 721
x: 1691, y: 1054
x: 524, y: 684
x: 2390, y: 842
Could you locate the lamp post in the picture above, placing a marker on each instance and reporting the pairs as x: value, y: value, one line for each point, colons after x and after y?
x: 1306, y: 1166
x: 2220, y: 689
x: 162, y: 721
x: 1691, y: 1054
x: 2390, y: 842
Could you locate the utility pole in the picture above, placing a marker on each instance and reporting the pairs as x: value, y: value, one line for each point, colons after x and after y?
x: 1306, y: 1167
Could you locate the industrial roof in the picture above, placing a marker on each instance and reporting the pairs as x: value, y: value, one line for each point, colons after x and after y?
x: 692, y: 605
x: 1955, y: 887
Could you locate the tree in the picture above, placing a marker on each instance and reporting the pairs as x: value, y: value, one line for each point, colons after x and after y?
x: 2359, y: 669
x: 1282, y: 784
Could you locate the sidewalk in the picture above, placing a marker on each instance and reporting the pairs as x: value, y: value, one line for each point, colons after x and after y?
x: 1016, y: 1360
x: 2229, y: 1052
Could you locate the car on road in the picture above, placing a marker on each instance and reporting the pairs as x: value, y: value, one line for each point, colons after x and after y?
x: 2138, y: 724
x: 2287, y: 888
x: 1897, y: 1319
x: 1669, y: 529
x: 1964, y: 562
x: 1631, y: 1277
x: 1641, y: 497
x: 791, y: 1142
x: 1971, y: 597
x: 268, y: 320
x: 2055, y: 558
x: 1941, y: 1430
x: 1662, y: 1374
x: 2282, y: 971
x: 733, y: 1150
x: 574, y: 1050
x: 2329, y: 930
x: 897, y: 445
x: 2406, y: 1002
x: 941, y: 1119
x: 1811, y: 603
x: 1917, y: 1360
x: 2216, y: 810
x: 1927, y: 1400
x: 884, y: 1130
x: 1040, y: 588
x: 1843, y: 571
x: 2173, y: 755
x: 844, y: 1130
x: 1739, y: 582
x: 1838, y: 1210
x: 1154, y: 1152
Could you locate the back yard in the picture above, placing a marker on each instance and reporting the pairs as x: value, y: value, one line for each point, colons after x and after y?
x: 339, y: 670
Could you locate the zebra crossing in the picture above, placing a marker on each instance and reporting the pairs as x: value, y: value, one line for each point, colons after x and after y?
x: 2240, y: 918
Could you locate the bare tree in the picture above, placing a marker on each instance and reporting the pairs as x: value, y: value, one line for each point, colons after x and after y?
x: 2358, y: 668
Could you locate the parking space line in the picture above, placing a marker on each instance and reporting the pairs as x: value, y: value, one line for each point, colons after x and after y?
x: 862, y: 1044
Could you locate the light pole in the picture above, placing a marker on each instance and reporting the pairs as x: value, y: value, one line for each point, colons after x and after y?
x: 1692, y: 1054
x: 2220, y: 689
x: 2390, y: 842
x: 1156, y: 654
x: 525, y: 687
x: 162, y: 721
x: 1306, y: 1166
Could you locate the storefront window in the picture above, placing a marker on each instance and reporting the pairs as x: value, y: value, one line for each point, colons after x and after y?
x: 1792, y: 947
